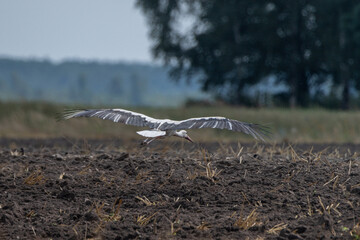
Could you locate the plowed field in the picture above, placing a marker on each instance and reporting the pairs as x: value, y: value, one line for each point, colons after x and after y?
x: 60, y: 189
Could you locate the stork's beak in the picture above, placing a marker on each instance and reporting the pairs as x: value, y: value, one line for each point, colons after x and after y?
x: 189, y: 139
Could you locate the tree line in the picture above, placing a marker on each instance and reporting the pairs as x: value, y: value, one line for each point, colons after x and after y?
x: 312, y: 47
x: 95, y: 83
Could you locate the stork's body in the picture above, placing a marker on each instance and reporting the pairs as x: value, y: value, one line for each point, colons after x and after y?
x: 156, y: 134
x: 160, y: 128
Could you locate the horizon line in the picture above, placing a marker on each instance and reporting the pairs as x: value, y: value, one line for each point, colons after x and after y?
x: 78, y: 59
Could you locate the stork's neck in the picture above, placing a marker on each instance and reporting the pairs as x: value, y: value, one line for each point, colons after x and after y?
x: 177, y: 133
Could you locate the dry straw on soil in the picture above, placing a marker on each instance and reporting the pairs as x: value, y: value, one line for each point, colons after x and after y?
x: 213, y: 191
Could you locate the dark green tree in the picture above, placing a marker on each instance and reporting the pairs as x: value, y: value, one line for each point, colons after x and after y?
x: 235, y: 44
x: 291, y: 43
x: 223, y: 44
x: 339, y: 29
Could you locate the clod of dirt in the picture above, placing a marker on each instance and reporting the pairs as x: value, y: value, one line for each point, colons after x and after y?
x: 6, y: 219
x: 355, y: 190
x: 58, y: 157
x: 63, y: 183
x: 91, y: 216
x: 326, y: 221
x: 300, y: 229
x: 3, y: 233
x: 123, y: 156
x: 87, y: 202
x: 285, y: 234
x: 103, y: 156
x: 66, y: 195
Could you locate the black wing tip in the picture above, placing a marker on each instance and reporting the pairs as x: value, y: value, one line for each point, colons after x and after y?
x: 262, y: 132
x: 68, y: 113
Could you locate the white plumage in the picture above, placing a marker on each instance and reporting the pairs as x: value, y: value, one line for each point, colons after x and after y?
x: 151, y: 133
x: 166, y: 127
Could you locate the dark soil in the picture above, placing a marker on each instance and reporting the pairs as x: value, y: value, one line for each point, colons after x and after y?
x: 60, y: 189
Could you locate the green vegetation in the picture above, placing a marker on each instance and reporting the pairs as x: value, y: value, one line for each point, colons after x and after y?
x: 39, y: 120
x: 310, y: 47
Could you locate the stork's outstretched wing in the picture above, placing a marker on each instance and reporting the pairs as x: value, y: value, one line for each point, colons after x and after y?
x: 115, y: 115
x: 255, y: 130
x: 141, y: 120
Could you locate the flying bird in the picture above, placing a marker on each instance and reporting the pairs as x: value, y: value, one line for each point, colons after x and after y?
x: 160, y: 128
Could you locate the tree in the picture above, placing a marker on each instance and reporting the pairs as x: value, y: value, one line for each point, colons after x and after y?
x: 291, y: 49
x: 236, y: 44
x: 339, y: 23
x: 222, y: 44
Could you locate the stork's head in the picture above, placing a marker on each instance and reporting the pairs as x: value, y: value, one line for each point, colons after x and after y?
x: 183, y: 134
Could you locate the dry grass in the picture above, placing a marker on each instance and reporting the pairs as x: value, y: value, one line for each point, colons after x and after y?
x: 277, y: 228
x: 32, y: 213
x: 355, y: 231
x: 85, y: 170
x: 113, y: 216
x: 146, y: 201
x: 35, y: 177
x: 38, y: 120
x: 328, y: 209
x: 244, y: 223
x: 210, y: 172
x: 173, y: 229
x: 143, y: 220
x: 143, y: 177
x: 204, y: 226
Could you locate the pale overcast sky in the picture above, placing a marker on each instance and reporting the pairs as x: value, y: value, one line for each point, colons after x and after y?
x: 112, y: 30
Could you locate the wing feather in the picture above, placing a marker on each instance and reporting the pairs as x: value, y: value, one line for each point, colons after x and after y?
x: 255, y: 130
x: 141, y: 120
x: 115, y: 115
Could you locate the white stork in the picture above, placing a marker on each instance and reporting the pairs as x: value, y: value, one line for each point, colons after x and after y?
x: 160, y: 128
